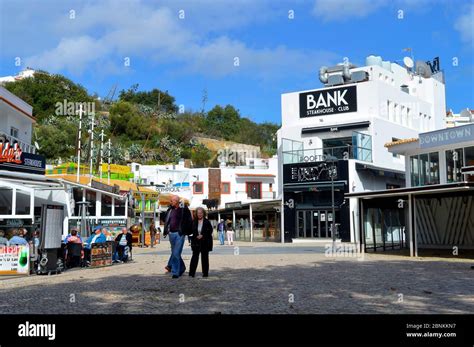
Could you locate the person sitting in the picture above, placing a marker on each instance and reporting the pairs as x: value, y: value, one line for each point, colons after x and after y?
x: 3, y: 239
x: 73, y: 237
x: 17, y: 239
x: 124, y: 246
x: 97, y: 237
x: 74, y: 249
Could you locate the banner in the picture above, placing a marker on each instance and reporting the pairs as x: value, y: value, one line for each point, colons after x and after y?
x: 14, y: 260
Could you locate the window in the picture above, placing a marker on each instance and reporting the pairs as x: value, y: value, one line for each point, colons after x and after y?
x: 469, y: 160
x: 225, y: 188
x: 254, y: 190
x: 454, y: 163
x: 106, y: 205
x: 198, y: 188
x: 14, y: 132
x: 424, y: 169
x: 395, y: 155
x: 414, y: 171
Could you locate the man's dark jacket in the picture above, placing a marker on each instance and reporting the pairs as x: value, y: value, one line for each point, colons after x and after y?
x: 185, y: 221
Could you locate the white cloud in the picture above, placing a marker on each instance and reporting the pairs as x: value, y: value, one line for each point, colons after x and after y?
x: 103, y: 34
x: 342, y: 10
x: 465, y: 25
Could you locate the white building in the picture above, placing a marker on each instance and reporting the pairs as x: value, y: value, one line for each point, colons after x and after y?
x: 214, y: 187
x: 464, y: 117
x: 17, y: 120
x: 22, y: 74
x: 436, y: 207
x: 349, y: 120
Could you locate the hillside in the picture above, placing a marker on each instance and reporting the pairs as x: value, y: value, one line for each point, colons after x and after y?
x: 144, y: 126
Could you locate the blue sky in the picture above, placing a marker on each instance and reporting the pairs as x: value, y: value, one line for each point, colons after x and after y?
x: 89, y: 42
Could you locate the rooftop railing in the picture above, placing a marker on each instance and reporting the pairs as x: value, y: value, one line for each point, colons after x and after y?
x: 327, y: 154
x: 25, y: 147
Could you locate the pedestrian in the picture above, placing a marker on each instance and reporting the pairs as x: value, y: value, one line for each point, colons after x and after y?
x: 221, y: 231
x: 97, y: 237
x: 230, y: 234
x: 201, y: 243
x: 178, y: 224
x: 152, y: 233
x: 124, y: 246
x: 17, y: 238
x: 3, y: 239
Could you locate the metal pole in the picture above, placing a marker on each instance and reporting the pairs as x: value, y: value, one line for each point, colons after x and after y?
x: 143, y: 219
x: 92, y: 146
x: 251, y: 222
x: 108, y: 167
x: 79, y: 143
x: 410, y: 225
x: 101, y: 152
x: 333, y: 229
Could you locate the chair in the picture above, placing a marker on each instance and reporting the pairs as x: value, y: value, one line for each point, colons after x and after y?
x: 74, y: 252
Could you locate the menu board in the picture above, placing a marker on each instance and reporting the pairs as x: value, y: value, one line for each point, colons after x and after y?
x: 14, y: 260
x: 52, y: 226
x: 101, y: 254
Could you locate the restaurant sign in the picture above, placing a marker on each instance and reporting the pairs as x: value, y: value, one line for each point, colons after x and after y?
x: 314, y: 172
x: 328, y: 101
x: 14, y: 260
x: 12, y: 158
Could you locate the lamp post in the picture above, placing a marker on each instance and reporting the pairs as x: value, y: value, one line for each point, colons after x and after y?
x: 333, y: 175
x: 79, y: 143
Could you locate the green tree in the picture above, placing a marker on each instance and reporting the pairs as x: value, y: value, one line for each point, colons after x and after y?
x: 223, y: 122
x: 44, y: 90
x: 155, y: 98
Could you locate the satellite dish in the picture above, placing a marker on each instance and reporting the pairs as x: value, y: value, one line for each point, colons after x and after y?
x: 422, y: 69
x: 408, y: 62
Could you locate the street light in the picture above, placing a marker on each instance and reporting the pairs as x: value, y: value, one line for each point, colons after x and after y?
x: 333, y: 175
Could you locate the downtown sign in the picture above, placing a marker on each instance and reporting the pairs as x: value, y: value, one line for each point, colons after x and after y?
x: 328, y: 101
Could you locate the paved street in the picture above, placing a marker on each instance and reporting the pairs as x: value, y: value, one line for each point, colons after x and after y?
x: 260, y: 278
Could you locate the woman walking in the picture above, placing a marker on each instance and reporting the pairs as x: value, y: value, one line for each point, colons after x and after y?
x: 201, y: 242
x: 230, y: 234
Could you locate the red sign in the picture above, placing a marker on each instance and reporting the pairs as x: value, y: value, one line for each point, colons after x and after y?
x: 9, y: 154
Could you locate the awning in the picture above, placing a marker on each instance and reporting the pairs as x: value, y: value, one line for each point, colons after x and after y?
x: 381, y: 171
x: 430, y: 189
x: 254, y: 175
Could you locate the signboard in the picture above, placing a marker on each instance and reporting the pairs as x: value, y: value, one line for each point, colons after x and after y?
x: 114, y: 168
x: 101, y: 254
x: 146, y: 195
x: 232, y: 205
x: 52, y: 218
x: 115, y: 189
x: 314, y: 172
x: 14, y: 260
x: 12, y: 158
x: 328, y: 101
x: 447, y: 136
x: 172, y: 189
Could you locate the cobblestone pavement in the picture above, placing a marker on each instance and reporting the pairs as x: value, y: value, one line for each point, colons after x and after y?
x: 285, y: 279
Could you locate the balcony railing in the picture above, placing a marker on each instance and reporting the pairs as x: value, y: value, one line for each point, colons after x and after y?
x: 327, y: 154
x: 25, y: 147
x: 265, y: 195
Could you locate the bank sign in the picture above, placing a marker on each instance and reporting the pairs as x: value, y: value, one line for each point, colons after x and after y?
x: 447, y: 136
x: 328, y: 101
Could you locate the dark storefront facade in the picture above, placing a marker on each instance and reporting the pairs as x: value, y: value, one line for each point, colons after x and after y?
x: 307, y: 192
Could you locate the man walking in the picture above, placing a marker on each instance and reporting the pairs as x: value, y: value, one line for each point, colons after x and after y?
x: 178, y: 223
x: 221, y: 231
